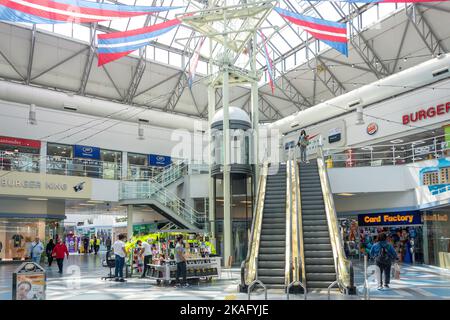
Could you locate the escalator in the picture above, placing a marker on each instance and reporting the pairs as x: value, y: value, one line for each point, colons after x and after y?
x: 318, y: 254
x: 272, y: 247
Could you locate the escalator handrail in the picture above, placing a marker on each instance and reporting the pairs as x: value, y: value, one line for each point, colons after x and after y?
x: 300, y: 245
x: 343, y: 265
x: 253, y: 244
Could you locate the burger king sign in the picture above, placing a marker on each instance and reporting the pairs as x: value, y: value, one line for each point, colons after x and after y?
x: 372, y: 128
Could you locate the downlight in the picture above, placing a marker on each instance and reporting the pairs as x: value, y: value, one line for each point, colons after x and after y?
x: 69, y: 107
x: 354, y: 104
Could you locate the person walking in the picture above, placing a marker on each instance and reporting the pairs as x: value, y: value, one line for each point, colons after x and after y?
x: 108, y: 244
x: 383, y: 253
x: 96, y: 245
x: 49, y: 251
x: 59, y: 251
x: 303, y: 142
x: 180, y: 260
x: 147, y: 256
x: 86, y: 245
x: 120, y: 253
x: 36, y: 250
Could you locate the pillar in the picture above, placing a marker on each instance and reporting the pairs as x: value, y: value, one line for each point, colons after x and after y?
x: 255, y: 111
x: 43, y: 158
x: 130, y: 221
x: 124, y: 170
x: 211, y: 181
x: 227, y: 234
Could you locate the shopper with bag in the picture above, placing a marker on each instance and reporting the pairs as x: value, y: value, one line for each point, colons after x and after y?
x: 303, y: 142
x: 48, y: 251
x: 59, y: 251
x: 383, y: 253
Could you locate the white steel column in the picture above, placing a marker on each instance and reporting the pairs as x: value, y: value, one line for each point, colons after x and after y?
x: 124, y: 170
x: 255, y: 111
x: 43, y: 158
x: 227, y: 234
x: 130, y: 221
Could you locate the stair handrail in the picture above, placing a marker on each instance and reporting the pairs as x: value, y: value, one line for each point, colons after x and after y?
x: 301, y: 273
x: 249, y: 266
x: 165, y: 197
x: 289, y: 214
x: 342, y: 264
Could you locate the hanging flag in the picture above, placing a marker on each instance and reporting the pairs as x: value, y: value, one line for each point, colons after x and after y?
x: 384, y: 1
x: 112, y: 46
x: 268, y: 62
x: 61, y: 11
x: 332, y: 33
x: 194, y: 62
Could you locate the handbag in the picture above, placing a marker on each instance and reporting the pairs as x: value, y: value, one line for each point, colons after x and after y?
x: 396, y: 271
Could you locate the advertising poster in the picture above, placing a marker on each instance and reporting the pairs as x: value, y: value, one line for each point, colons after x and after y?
x: 70, y: 241
x: 30, y: 287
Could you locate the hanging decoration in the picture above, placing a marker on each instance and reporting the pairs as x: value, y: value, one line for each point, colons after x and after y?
x: 63, y: 11
x: 268, y: 62
x: 194, y: 62
x: 332, y: 33
x: 112, y: 46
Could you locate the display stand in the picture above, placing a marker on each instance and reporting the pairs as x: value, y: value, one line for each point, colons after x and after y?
x: 197, y: 269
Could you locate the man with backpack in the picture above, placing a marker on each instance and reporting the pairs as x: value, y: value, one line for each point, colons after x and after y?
x: 384, y: 253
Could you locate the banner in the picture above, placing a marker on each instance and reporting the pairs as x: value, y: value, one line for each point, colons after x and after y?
x: 63, y: 11
x: 158, y: 160
x: 269, y: 63
x: 332, y: 33
x: 194, y: 62
x: 390, y: 219
x: 86, y: 152
x: 112, y: 46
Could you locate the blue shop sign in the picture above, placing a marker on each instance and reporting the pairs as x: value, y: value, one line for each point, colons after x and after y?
x: 86, y: 152
x: 390, y: 219
x: 158, y: 160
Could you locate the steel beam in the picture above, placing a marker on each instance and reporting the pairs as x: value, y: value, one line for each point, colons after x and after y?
x: 31, y: 55
x: 361, y: 45
x: 153, y: 86
x: 89, y: 62
x: 342, y: 63
x: 12, y: 65
x: 268, y: 109
x: 112, y: 81
x: 424, y: 30
x: 177, y: 92
x: 400, y: 47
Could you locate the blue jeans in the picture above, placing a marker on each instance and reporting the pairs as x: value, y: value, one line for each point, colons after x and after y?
x: 36, y: 259
x: 120, y: 262
x: 303, y: 154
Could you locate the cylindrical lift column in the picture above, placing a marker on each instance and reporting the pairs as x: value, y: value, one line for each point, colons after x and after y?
x: 211, y: 180
x: 255, y: 112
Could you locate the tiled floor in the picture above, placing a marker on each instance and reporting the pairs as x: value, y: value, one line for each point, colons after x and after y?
x: 81, y: 280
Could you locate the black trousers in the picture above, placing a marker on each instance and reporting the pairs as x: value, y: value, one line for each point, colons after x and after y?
x: 60, y: 264
x: 96, y: 249
x: 181, y: 271
x: 386, y: 270
x: 147, y: 260
x: 50, y: 260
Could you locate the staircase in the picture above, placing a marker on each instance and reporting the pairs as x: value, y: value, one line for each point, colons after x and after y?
x: 319, y: 263
x: 272, y: 249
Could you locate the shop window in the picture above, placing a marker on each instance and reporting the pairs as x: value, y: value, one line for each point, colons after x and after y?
x: 445, y: 175
x: 111, y: 163
x: 18, y: 154
x: 59, y: 150
x: 138, y: 166
x: 59, y: 159
x: 430, y: 178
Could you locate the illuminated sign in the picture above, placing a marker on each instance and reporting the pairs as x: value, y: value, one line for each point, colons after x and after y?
x: 423, y: 114
x: 389, y: 219
x: 372, y: 128
x: 435, y: 217
x: 158, y: 160
x: 86, y: 152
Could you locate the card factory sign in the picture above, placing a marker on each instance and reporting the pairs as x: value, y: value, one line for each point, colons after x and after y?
x: 35, y: 184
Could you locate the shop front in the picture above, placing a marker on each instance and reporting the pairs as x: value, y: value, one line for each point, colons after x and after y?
x: 18, y: 154
x: 436, y: 229
x: 404, y: 230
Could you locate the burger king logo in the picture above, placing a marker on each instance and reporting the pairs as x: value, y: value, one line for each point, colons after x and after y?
x: 372, y: 128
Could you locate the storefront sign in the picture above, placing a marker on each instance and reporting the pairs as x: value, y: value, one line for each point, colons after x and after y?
x: 334, y: 135
x: 372, y: 128
x: 158, y: 160
x: 423, y: 114
x: 389, y: 219
x: 435, y: 217
x: 20, y: 142
x: 40, y: 185
x: 289, y: 145
x: 29, y: 282
x: 86, y: 152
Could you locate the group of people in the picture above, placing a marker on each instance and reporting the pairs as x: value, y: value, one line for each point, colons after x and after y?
x: 53, y: 251
x: 148, y: 253
x: 93, y: 244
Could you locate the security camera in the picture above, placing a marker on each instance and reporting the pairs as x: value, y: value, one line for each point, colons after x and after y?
x: 79, y: 187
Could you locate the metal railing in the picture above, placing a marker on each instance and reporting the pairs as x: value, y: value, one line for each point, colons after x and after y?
x: 342, y: 264
x: 21, y: 162
x: 389, y: 154
x: 140, y: 190
x: 249, y: 266
x: 83, y: 167
x: 255, y: 282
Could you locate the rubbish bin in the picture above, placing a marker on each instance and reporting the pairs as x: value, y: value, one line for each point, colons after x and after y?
x: 29, y: 282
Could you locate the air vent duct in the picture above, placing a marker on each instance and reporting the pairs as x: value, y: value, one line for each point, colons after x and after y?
x: 354, y: 103
x: 440, y: 72
x: 69, y: 108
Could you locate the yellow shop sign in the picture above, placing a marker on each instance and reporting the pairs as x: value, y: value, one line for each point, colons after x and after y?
x: 44, y: 185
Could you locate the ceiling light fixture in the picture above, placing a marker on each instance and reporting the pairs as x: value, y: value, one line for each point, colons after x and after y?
x: 396, y: 141
x: 345, y: 194
x: 37, y: 199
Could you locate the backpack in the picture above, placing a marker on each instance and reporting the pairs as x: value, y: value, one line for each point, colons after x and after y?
x: 383, y: 258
